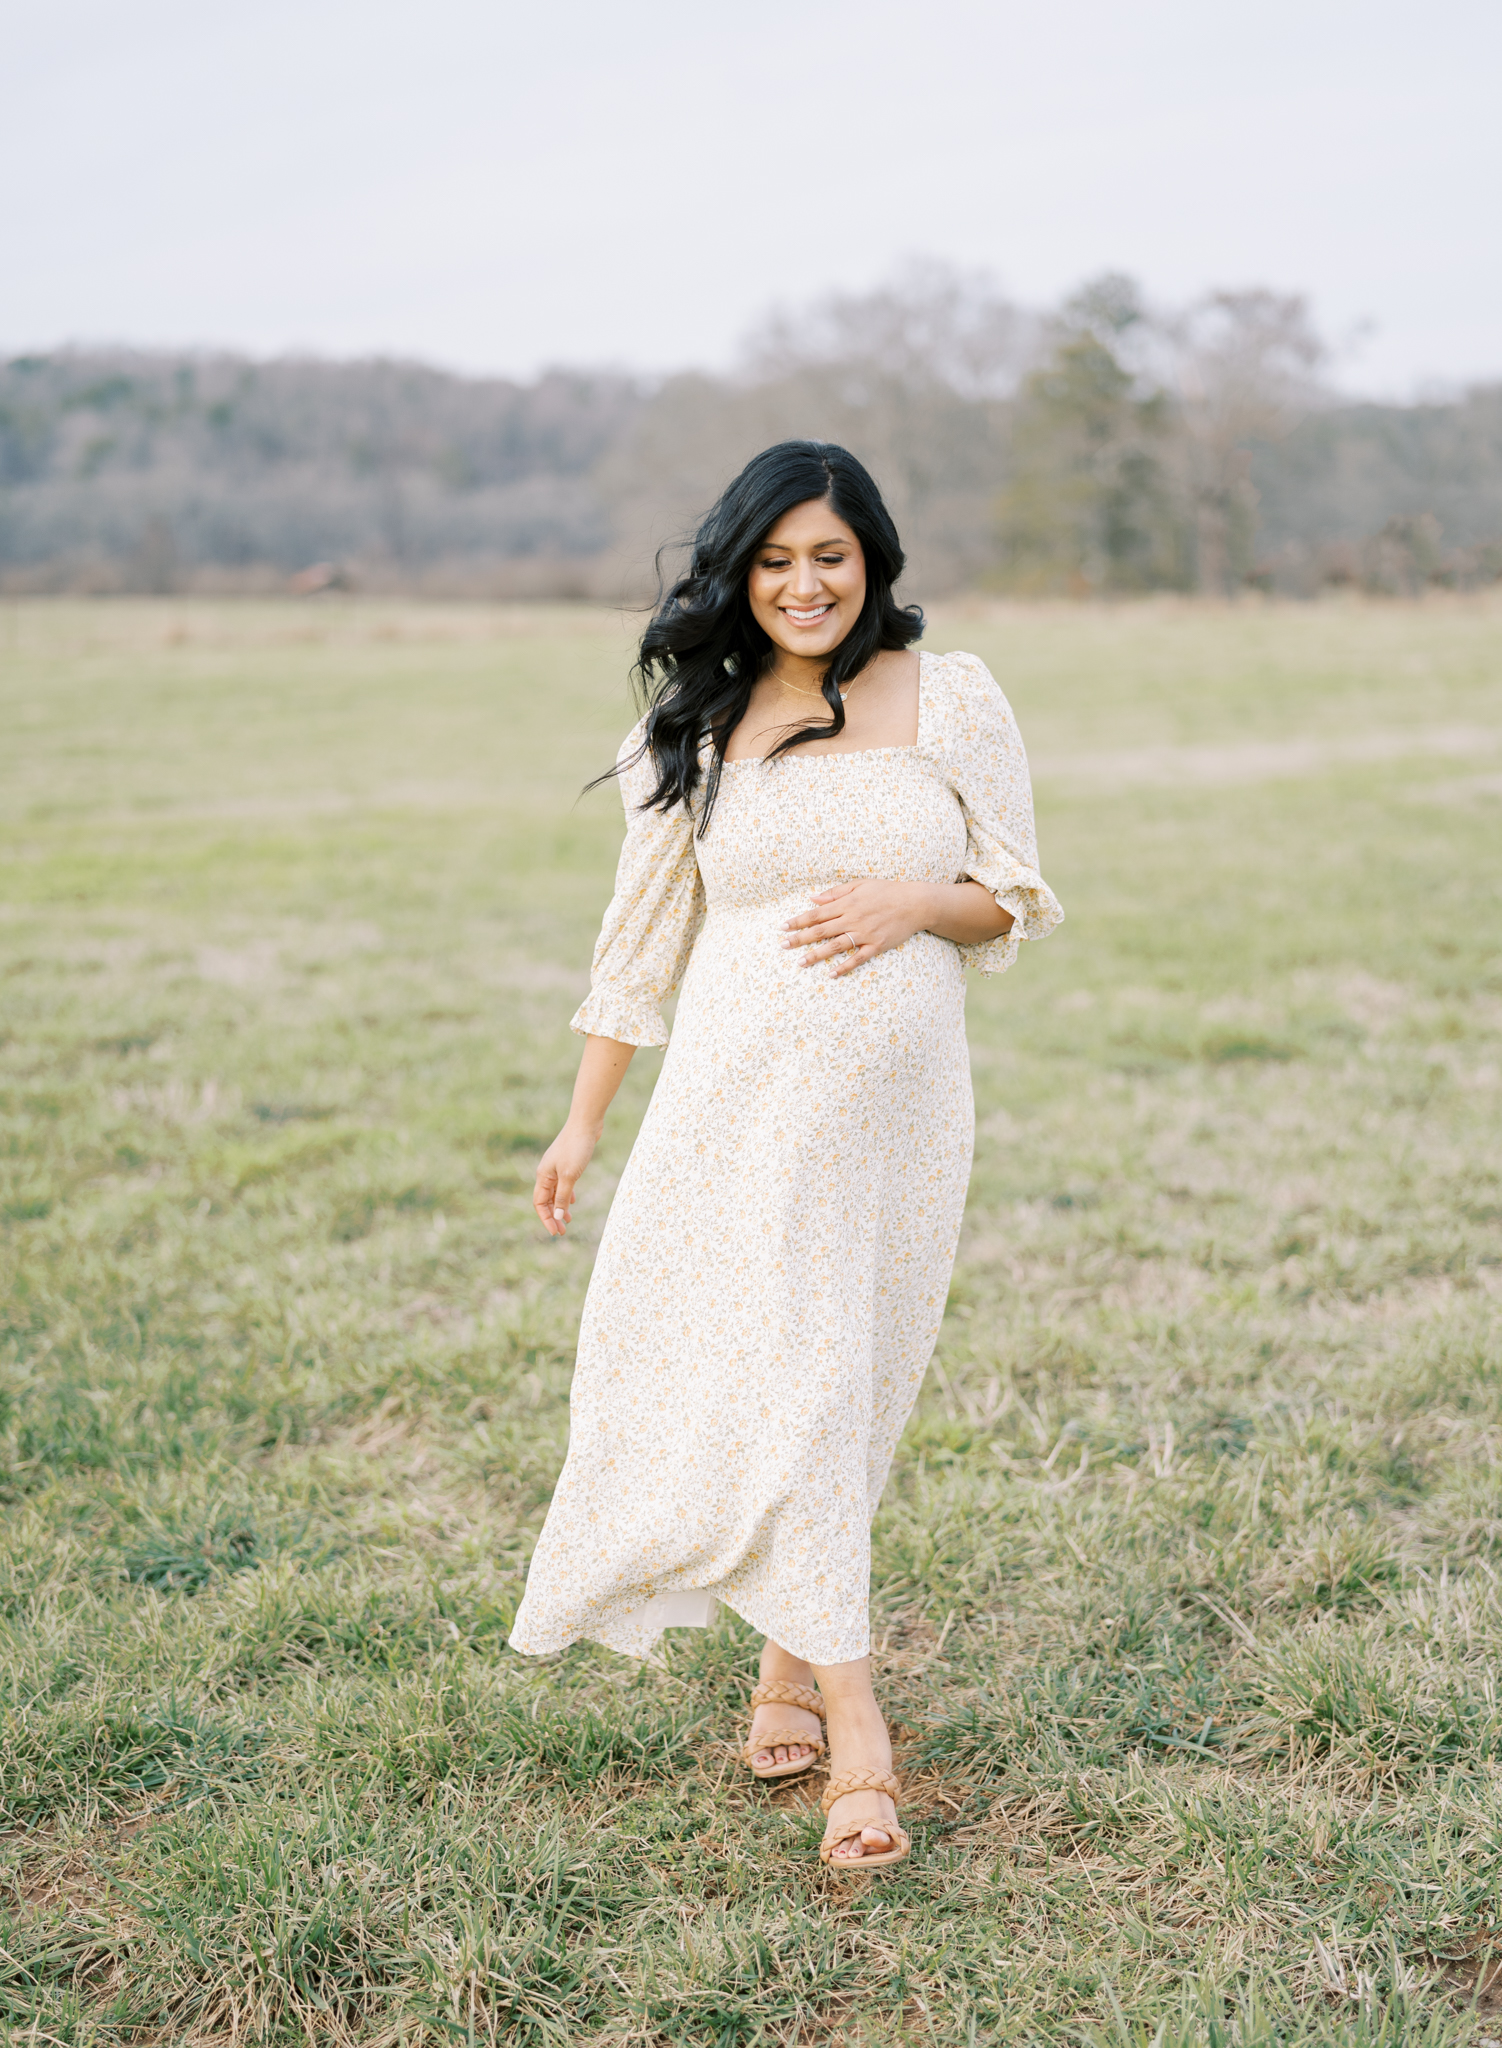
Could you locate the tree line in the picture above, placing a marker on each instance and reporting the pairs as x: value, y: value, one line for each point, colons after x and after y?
x: 1103, y: 447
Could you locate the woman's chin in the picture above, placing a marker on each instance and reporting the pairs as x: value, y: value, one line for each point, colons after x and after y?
x: 810, y: 642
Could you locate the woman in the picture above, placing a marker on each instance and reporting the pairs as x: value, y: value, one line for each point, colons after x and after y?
x: 823, y: 828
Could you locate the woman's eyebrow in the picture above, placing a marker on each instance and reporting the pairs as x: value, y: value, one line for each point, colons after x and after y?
x: 772, y: 547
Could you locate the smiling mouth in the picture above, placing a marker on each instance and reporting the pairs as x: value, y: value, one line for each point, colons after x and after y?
x: 806, y: 616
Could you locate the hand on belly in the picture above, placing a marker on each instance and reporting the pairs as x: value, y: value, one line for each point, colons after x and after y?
x: 854, y: 921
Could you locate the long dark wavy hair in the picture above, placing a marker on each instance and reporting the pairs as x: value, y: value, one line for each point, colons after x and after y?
x: 703, y: 651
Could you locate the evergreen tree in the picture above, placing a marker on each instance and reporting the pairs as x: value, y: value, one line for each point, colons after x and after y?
x: 1090, y: 504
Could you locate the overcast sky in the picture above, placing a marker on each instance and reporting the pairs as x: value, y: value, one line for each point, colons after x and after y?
x: 636, y: 181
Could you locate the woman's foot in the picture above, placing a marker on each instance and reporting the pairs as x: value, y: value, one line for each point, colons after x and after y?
x: 858, y: 1741
x: 779, y: 1717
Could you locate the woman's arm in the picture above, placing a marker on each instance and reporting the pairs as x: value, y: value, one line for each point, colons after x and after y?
x: 857, y: 920
x: 602, y: 1068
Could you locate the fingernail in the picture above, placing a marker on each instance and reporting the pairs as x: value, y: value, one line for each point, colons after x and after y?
x: 561, y: 1214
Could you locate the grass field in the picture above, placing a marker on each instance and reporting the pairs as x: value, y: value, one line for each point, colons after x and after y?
x: 1187, y: 1594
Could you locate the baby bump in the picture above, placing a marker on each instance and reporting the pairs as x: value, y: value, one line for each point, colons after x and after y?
x: 802, y: 1121
x: 752, y: 1005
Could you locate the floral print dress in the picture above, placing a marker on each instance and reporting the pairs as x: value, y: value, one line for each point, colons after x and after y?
x: 773, y: 1271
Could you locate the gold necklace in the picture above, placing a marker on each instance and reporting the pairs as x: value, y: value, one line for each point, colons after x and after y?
x: 796, y: 691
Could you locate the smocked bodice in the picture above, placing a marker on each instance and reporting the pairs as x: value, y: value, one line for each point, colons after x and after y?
x: 784, y: 828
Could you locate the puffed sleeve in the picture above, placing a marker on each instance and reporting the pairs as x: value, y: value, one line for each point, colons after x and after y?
x: 653, y: 919
x: 987, y: 769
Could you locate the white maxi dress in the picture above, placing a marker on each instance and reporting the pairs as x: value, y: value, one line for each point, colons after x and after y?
x: 773, y: 1271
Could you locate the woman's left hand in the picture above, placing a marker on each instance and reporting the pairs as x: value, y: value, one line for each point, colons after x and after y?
x: 855, y: 921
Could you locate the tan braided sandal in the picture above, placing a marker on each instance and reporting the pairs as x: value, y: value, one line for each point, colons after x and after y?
x: 782, y: 1692
x: 862, y: 1781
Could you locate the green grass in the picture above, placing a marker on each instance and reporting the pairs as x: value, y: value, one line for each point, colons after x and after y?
x: 1187, y: 1580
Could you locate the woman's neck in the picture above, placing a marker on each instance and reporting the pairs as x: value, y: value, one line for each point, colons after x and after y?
x: 801, y: 675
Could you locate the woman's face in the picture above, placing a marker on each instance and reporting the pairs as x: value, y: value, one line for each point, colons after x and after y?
x: 808, y: 580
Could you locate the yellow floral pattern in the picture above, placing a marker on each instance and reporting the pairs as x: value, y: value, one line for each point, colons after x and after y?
x: 773, y: 1271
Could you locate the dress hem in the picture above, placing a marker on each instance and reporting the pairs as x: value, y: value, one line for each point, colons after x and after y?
x: 737, y: 1606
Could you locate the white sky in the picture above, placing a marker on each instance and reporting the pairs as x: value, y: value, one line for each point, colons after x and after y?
x: 636, y: 181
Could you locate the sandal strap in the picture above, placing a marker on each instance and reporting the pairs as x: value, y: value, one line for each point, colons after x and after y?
x: 860, y: 1781
x: 789, y: 1738
x: 782, y: 1692
x: 900, y: 1839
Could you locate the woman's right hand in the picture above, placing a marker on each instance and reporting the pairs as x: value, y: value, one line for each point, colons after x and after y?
x: 557, y: 1173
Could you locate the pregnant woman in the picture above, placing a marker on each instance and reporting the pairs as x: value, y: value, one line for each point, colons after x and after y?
x: 823, y: 830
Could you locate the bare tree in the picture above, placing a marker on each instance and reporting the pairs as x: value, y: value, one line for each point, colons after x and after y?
x: 915, y: 378
x: 933, y: 324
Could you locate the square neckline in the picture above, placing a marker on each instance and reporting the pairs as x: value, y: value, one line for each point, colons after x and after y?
x: 802, y: 754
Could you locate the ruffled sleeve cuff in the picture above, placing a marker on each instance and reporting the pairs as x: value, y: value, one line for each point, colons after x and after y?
x: 623, y: 1014
x: 1035, y: 911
